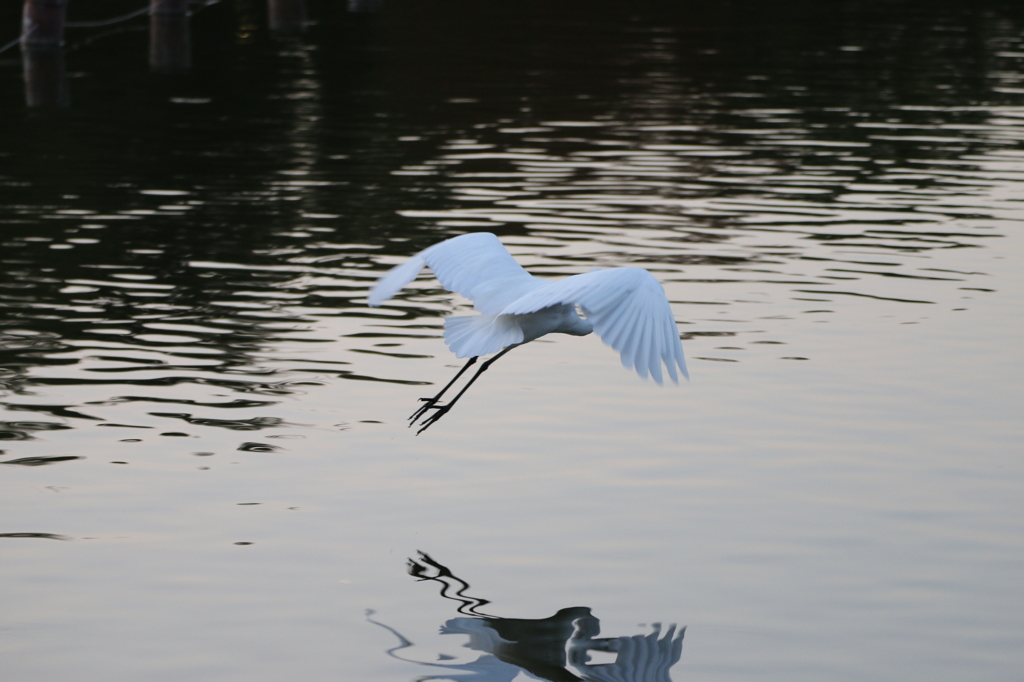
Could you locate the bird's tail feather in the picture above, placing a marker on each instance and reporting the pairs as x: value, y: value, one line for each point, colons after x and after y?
x: 472, y: 335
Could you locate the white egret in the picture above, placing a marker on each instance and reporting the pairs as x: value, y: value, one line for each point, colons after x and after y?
x: 626, y: 306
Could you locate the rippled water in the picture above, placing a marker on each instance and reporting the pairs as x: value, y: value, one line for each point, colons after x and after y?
x: 208, y: 471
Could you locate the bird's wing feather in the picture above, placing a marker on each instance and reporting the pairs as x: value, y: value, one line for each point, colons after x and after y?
x: 629, y: 311
x: 475, y: 265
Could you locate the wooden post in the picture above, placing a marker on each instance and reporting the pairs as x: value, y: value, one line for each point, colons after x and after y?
x: 43, y: 24
x: 42, y: 42
x: 287, y: 17
x: 169, y: 45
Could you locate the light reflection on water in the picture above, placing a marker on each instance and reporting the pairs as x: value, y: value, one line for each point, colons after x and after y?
x: 204, y: 424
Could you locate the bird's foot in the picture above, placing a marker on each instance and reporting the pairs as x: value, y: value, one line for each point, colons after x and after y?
x: 441, y: 411
x: 427, y: 404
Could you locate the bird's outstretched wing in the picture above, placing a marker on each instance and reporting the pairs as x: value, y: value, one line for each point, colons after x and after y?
x: 629, y: 311
x: 475, y: 265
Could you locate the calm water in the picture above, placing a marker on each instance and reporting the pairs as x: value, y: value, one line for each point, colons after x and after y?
x: 207, y: 470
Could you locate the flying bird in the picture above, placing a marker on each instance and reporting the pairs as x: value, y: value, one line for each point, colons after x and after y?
x: 626, y: 306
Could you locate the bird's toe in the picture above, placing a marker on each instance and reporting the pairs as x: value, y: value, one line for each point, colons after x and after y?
x: 426, y: 423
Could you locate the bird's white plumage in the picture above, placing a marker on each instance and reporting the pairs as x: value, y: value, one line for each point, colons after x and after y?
x: 627, y: 306
x: 629, y: 311
x: 476, y: 265
x: 470, y: 336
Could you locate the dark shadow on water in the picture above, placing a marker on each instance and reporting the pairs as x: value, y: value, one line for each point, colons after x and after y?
x: 37, y: 536
x: 253, y: 424
x: 40, y: 461
x: 558, y: 648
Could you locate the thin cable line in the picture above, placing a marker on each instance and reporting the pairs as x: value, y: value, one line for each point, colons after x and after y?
x: 102, y: 22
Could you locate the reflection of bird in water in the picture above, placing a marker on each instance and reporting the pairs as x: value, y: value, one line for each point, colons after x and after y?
x: 640, y: 658
x: 556, y: 648
x: 625, y: 306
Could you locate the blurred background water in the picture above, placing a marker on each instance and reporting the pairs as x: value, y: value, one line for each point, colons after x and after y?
x: 207, y: 473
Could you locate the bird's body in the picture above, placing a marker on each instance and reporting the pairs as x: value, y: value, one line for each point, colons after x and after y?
x: 626, y: 306
x: 474, y: 335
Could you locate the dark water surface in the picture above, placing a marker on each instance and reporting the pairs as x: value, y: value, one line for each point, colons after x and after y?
x: 206, y: 471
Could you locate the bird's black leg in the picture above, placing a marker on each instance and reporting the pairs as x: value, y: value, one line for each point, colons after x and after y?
x: 429, y: 402
x: 442, y: 409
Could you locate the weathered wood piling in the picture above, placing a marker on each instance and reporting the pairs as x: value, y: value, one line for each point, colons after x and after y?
x: 42, y: 41
x: 170, y: 50
x: 169, y: 43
